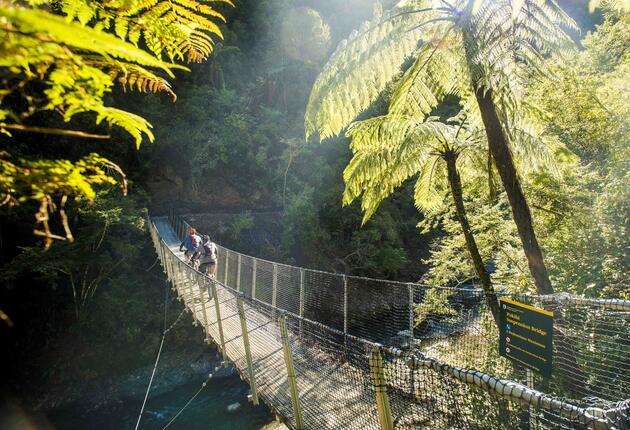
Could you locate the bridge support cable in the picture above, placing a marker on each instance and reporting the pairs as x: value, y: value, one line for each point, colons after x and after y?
x: 159, y: 246
x: 248, y: 353
x: 288, y: 360
x: 203, y: 385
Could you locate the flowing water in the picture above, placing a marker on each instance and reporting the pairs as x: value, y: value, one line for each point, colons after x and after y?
x: 221, y: 405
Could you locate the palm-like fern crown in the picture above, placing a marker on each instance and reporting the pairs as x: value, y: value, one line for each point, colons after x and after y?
x: 490, y: 44
x: 390, y: 149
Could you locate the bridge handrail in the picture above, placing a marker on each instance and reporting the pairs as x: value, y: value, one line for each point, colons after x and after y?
x: 608, y: 303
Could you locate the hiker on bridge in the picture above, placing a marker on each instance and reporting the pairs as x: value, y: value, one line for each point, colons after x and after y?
x: 191, y: 242
x: 208, y: 257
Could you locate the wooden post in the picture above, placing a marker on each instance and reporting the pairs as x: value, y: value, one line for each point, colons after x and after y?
x: 254, y: 280
x: 274, y: 285
x: 202, y: 287
x: 173, y: 265
x: 411, y: 315
x: 227, y: 267
x: 412, y: 381
x: 380, y: 389
x: 167, y: 266
x: 238, y: 273
x: 345, y: 304
x: 288, y: 361
x: 219, y: 323
x: 190, y: 276
x: 248, y: 354
x: 345, y: 315
x: 178, y: 280
x: 274, y: 289
x: 301, y: 299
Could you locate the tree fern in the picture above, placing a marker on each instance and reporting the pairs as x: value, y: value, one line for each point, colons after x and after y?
x: 493, y: 48
x: 359, y: 69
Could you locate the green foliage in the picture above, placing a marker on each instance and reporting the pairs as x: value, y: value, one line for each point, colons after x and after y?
x: 359, y: 70
x: 64, y: 58
x: 305, y: 36
x: 435, y: 305
x: 473, y: 43
x: 496, y: 238
x: 105, y: 250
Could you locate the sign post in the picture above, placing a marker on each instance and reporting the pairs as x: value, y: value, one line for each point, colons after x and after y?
x: 526, y: 335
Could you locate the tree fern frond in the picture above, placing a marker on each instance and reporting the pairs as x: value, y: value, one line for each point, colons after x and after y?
x: 370, y: 57
x: 429, y: 189
x: 390, y: 149
x: 429, y: 79
x: 133, y: 124
x: 533, y: 148
x: 49, y: 28
x: 143, y: 80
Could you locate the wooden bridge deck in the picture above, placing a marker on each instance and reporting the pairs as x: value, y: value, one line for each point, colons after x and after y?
x: 333, y: 395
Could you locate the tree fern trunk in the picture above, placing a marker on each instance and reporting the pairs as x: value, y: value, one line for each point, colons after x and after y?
x: 507, y: 171
x: 456, y: 190
x: 492, y: 189
x: 573, y: 379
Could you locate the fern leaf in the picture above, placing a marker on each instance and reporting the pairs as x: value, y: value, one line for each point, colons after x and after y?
x: 46, y: 26
x: 370, y: 57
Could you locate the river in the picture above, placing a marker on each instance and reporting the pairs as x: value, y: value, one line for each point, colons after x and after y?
x: 221, y: 405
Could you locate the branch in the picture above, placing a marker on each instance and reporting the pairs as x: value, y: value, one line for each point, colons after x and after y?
x: 58, y: 131
x: 551, y: 211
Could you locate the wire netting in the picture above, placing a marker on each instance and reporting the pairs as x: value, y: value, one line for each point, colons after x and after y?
x: 432, y: 352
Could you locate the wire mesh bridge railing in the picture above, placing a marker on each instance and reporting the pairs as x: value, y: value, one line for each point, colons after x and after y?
x: 330, y: 351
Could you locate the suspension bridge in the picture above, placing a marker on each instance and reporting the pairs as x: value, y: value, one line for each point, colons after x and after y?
x: 330, y: 351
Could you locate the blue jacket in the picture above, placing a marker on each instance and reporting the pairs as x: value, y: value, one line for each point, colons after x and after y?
x: 188, y: 243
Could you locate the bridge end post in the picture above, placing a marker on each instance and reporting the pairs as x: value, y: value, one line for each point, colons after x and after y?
x: 288, y: 360
x: 383, y: 407
x: 248, y: 353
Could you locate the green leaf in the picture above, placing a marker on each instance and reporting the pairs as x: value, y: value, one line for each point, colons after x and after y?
x: 50, y: 28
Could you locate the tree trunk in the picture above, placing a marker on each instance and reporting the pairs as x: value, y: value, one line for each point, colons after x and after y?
x: 507, y: 171
x: 456, y: 190
x: 492, y: 189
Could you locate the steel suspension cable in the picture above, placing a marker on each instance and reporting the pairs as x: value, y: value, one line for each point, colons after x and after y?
x: 189, y: 402
x: 157, y: 359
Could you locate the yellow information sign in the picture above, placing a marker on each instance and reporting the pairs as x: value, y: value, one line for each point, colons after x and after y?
x: 526, y: 335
